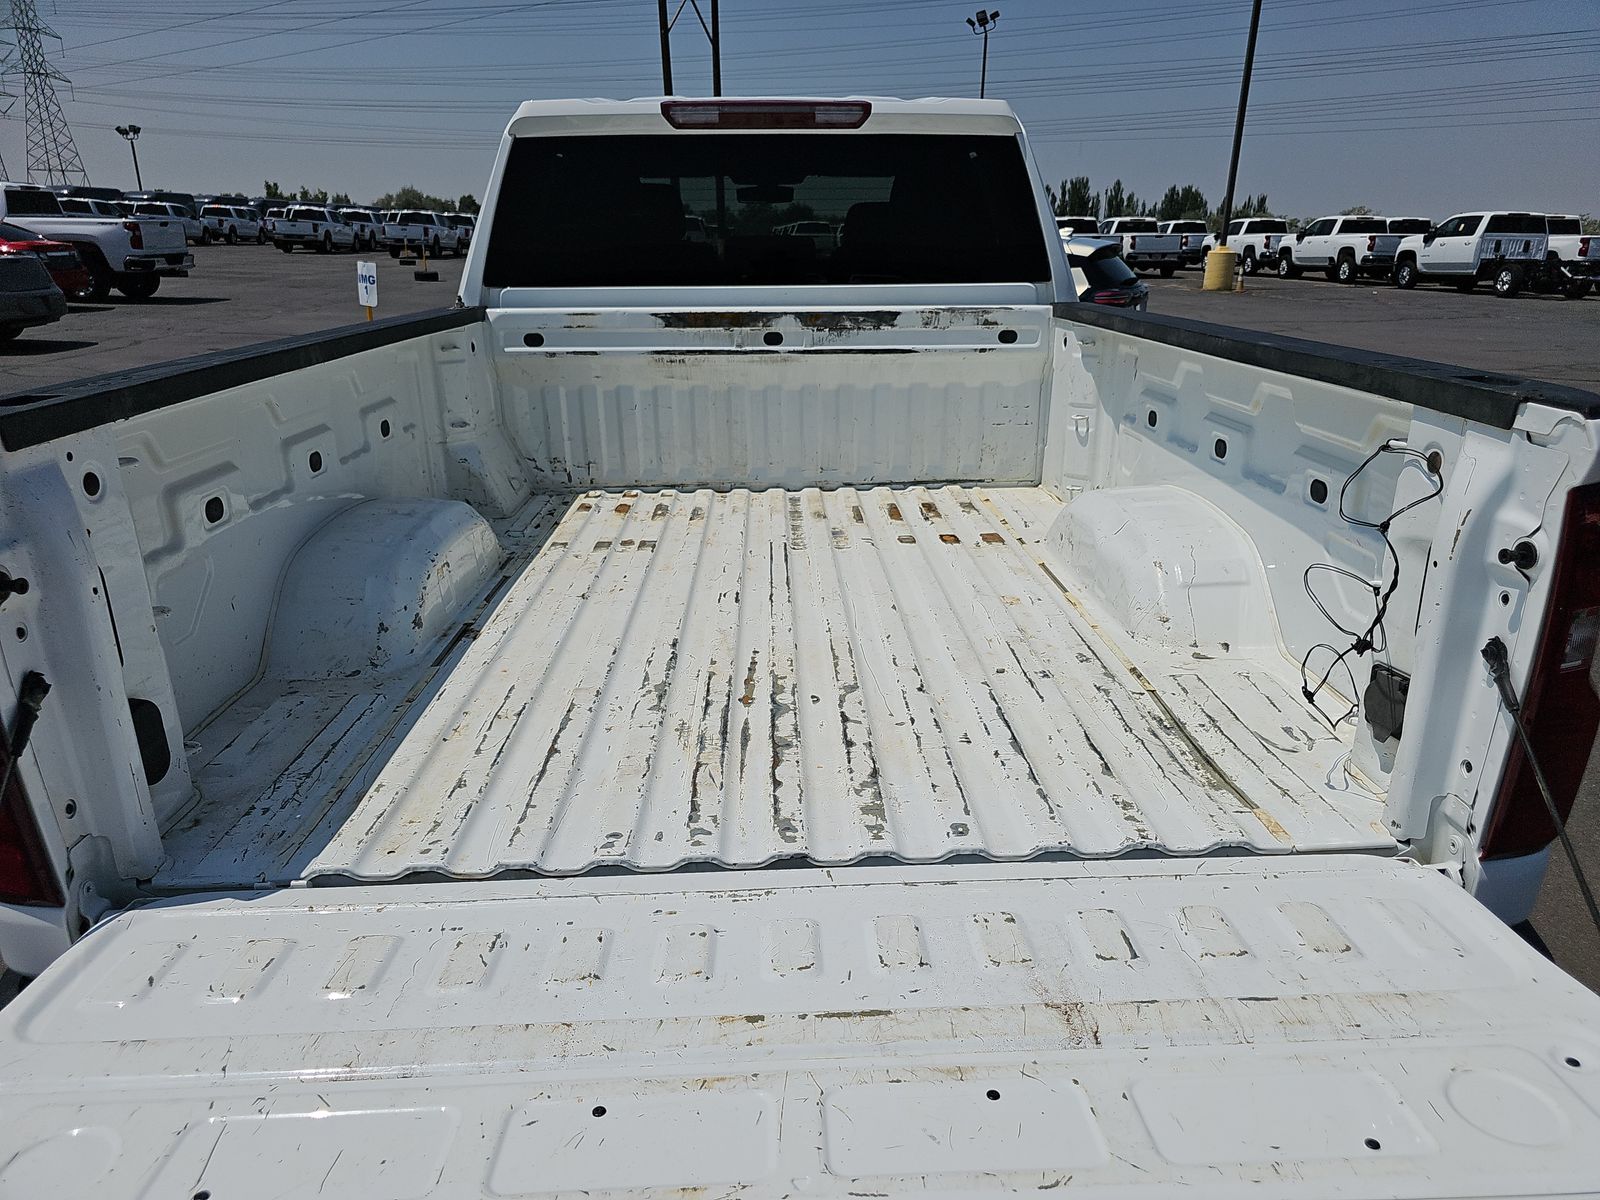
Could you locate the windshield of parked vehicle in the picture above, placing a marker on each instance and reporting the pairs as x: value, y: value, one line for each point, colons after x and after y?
x: 1564, y: 226
x: 611, y: 211
x: 25, y: 202
x: 1189, y: 227
x: 413, y: 218
x: 215, y: 210
x: 1364, y: 225
x: 1410, y: 225
x: 1269, y: 227
x: 309, y: 214
x: 1138, y: 225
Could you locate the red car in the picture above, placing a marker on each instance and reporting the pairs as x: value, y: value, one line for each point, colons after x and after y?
x: 66, y: 269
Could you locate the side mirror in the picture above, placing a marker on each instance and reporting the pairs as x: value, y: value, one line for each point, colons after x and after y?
x: 1427, y: 238
x: 1301, y: 236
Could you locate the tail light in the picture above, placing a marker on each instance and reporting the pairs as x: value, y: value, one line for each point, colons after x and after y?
x: 26, y: 876
x: 1583, y: 247
x: 1114, y: 298
x: 1133, y: 243
x: 1372, y: 243
x: 135, y: 234
x: 1560, y: 707
x: 766, y: 114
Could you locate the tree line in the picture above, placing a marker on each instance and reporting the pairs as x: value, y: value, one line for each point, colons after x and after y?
x: 406, y: 197
x: 1075, y: 198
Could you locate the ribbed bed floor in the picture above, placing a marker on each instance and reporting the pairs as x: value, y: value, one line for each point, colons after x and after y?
x: 742, y: 677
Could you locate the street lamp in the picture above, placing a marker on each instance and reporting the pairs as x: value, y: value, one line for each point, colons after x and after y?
x: 982, y: 22
x: 131, y: 133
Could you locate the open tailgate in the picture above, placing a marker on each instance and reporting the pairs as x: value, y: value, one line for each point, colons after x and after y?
x: 1333, y: 1026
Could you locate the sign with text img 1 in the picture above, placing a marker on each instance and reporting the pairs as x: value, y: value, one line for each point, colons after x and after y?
x: 367, y: 284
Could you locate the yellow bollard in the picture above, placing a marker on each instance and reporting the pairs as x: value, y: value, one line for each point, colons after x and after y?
x: 1220, y: 266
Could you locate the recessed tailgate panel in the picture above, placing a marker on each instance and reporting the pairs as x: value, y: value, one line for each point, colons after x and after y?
x: 1316, y: 1027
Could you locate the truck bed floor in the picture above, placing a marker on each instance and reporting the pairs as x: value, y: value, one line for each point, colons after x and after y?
x: 741, y: 677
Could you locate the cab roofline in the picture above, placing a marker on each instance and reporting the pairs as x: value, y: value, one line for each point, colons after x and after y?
x: 643, y: 115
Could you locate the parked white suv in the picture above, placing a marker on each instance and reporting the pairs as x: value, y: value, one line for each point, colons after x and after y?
x: 226, y: 223
x: 1506, y: 248
x: 1255, y: 240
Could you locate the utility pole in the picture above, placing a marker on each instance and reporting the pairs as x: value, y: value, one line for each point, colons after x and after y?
x: 982, y: 22
x: 1238, y: 125
x: 666, y: 49
x: 716, y: 51
x: 130, y: 134
x: 51, y: 153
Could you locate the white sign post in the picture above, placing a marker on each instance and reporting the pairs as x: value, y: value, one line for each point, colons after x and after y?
x: 367, y: 286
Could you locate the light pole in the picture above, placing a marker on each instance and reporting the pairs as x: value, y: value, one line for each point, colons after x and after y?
x: 982, y: 22
x: 1238, y: 125
x: 131, y: 134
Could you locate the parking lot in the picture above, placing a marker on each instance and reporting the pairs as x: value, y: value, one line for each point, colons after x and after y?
x: 239, y: 295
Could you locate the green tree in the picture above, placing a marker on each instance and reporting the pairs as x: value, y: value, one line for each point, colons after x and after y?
x: 467, y: 204
x: 1075, y: 199
x: 1116, y: 199
x: 1358, y: 210
x: 272, y: 191
x: 1186, y: 203
x: 1253, y: 206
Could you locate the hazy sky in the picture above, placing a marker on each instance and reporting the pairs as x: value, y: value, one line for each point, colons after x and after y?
x: 1425, y: 108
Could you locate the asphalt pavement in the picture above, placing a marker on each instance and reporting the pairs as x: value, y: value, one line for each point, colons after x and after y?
x: 241, y: 295
x: 1541, y: 337
x: 236, y: 296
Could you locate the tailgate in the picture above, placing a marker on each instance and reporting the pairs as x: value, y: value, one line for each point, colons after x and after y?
x: 161, y: 237
x: 1346, y: 1026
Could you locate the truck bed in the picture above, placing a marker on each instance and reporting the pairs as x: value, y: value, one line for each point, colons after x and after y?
x: 660, y: 678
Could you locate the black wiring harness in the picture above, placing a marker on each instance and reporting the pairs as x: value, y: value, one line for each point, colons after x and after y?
x: 1374, y: 636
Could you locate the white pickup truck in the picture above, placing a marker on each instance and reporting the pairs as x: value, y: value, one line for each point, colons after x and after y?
x: 1572, y: 257
x: 1191, y: 240
x: 367, y: 224
x: 1256, y: 240
x: 415, y: 231
x: 311, y: 227
x: 1144, y: 246
x: 743, y: 717
x: 132, y: 255
x: 1506, y: 248
x: 1344, y: 248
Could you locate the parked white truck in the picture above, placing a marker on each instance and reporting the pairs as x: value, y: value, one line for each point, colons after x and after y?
x: 1144, y: 246
x: 748, y: 717
x: 130, y: 254
x: 1256, y: 240
x: 312, y: 227
x: 413, y: 231
x: 1505, y: 248
x: 1572, y: 257
x: 1344, y: 248
x: 1191, y: 240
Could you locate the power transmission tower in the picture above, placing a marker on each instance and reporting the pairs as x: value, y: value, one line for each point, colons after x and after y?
x: 52, y: 155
